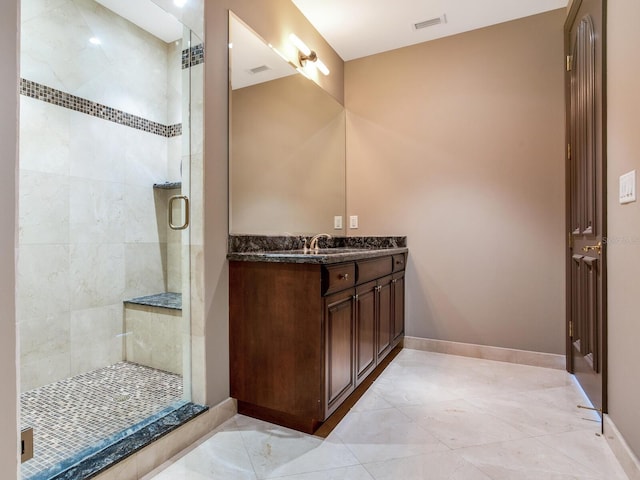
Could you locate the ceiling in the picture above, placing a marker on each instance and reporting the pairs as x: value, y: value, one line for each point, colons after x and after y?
x: 148, y: 16
x: 359, y: 28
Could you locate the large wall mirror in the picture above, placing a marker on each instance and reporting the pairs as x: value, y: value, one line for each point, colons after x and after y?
x: 287, y: 144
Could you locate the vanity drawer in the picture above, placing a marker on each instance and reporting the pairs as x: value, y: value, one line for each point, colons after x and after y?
x: 399, y: 262
x: 372, y: 269
x: 338, y: 277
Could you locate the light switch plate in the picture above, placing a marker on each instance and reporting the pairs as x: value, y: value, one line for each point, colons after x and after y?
x: 337, y: 222
x: 353, y: 221
x: 628, y: 187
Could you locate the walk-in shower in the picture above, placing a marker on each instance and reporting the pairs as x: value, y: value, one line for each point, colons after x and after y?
x: 103, y: 289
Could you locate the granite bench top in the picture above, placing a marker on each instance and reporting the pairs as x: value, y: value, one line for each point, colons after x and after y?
x: 167, y: 185
x: 169, y: 300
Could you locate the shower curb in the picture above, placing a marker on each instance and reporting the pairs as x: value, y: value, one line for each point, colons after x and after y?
x: 124, y: 448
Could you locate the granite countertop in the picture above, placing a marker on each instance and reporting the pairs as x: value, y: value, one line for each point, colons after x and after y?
x: 289, y: 248
x: 322, y: 256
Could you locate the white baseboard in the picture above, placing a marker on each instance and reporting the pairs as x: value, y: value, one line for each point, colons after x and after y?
x: 617, y: 443
x: 152, y: 456
x: 510, y: 355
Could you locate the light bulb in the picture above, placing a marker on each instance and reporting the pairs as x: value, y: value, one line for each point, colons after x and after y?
x: 300, y: 45
x: 322, y: 67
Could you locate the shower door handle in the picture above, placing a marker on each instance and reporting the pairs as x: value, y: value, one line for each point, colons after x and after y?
x: 187, y: 208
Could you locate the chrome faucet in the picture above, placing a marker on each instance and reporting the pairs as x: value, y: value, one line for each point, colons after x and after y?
x: 313, y: 245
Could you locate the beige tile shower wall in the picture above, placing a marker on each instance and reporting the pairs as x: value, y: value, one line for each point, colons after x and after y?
x: 458, y: 144
x: 89, y: 239
x: 92, y: 230
x: 152, y: 337
x: 128, y: 70
x: 623, y: 244
x: 174, y: 83
x: 173, y: 262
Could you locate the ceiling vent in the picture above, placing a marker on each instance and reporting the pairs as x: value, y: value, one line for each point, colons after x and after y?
x: 430, y: 23
x: 260, y: 69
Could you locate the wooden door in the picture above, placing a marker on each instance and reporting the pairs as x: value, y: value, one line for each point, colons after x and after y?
x: 586, y: 212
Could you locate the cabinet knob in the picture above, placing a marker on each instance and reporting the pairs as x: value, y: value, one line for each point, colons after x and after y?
x: 395, y: 280
x: 343, y: 276
x: 399, y: 262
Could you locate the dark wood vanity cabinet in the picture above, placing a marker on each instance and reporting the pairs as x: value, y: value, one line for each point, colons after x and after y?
x: 397, y: 290
x: 303, y: 336
x: 365, y: 330
x: 339, y: 349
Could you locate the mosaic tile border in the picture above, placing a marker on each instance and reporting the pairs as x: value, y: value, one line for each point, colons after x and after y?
x: 51, y: 95
x: 193, y: 56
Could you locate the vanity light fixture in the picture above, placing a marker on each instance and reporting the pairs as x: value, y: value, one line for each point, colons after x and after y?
x: 305, y: 54
x: 322, y: 67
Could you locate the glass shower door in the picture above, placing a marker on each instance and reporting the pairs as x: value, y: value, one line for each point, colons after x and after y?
x: 103, y: 280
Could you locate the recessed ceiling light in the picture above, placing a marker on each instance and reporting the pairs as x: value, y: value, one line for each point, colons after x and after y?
x: 179, y: 3
x: 95, y: 41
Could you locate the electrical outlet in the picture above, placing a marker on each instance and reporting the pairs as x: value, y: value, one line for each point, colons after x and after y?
x: 628, y: 187
x: 26, y: 442
x: 337, y: 222
x: 353, y: 221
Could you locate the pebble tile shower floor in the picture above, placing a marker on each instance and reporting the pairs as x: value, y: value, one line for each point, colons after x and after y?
x: 75, y: 413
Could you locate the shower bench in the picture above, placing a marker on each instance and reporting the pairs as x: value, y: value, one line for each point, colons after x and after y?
x: 153, y: 328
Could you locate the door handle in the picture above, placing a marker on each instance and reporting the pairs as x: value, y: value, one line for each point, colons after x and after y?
x: 597, y: 248
x: 187, y: 209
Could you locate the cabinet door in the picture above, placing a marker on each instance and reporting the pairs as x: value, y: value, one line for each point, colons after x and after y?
x: 366, y: 300
x: 385, y: 317
x: 339, y: 378
x: 398, y: 306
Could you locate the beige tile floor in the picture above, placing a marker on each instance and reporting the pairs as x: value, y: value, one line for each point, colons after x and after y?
x: 428, y: 416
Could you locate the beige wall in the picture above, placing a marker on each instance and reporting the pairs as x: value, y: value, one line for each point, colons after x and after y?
x: 8, y: 180
x: 458, y: 144
x: 623, y: 247
x: 273, y: 20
